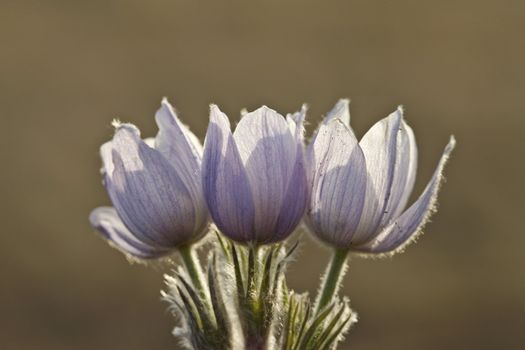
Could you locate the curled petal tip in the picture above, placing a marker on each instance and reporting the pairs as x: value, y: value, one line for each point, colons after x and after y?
x: 166, y: 104
x: 398, y: 115
x: 298, y: 117
x: 344, y: 102
x: 126, y: 129
x: 396, y: 118
x: 116, y: 123
x: 304, y: 107
x: 165, y: 112
x: 217, y: 116
x: 451, y: 143
x: 341, y: 110
x: 302, y: 111
x: 214, y: 111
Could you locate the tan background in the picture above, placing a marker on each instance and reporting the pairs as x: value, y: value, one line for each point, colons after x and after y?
x: 68, y: 67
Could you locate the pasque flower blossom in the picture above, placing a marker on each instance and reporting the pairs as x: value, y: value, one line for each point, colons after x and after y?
x: 360, y: 189
x: 257, y: 183
x: 254, y: 180
x: 155, y: 188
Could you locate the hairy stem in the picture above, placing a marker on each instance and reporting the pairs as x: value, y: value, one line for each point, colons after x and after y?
x: 254, y: 312
x: 194, y: 270
x: 332, y: 278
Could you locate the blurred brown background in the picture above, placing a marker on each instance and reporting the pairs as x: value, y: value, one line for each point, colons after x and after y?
x: 68, y: 67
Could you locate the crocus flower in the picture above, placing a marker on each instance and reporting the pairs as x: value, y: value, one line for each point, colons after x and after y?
x: 254, y: 180
x: 360, y: 189
x: 155, y: 189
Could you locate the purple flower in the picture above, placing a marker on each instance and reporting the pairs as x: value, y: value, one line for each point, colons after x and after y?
x: 254, y: 180
x: 360, y: 189
x: 155, y: 188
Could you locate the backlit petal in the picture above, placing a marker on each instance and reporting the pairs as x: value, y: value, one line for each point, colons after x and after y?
x: 409, y: 162
x: 107, y: 222
x: 225, y: 182
x: 405, y: 228
x: 268, y: 151
x: 338, y: 184
x: 380, y: 148
x: 297, y: 119
x: 295, y: 200
x: 183, y: 151
x: 149, y: 196
x: 340, y: 111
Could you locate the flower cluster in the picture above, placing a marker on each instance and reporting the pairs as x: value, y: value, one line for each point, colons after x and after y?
x: 255, y: 186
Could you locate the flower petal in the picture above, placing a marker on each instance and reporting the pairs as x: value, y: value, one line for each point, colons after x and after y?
x: 296, y: 197
x: 403, y: 176
x: 148, y: 194
x: 106, y: 151
x: 297, y: 119
x: 407, y: 166
x: 380, y: 147
x: 339, y: 184
x: 107, y: 222
x: 405, y: 228
x: 268, y: 151
x: 175, y: 136
x: 341, y: 111
x: 183, y: 151
x: 225, y: 182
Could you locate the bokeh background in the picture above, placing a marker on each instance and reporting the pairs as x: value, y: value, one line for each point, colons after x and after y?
x: 67, y: 68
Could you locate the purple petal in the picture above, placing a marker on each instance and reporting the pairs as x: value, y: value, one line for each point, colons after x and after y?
x: 268, y: 151
x: 225, y: 182
x: 407, y: 166
x: 380, y: 147
x: 149, y: 196
x: 185, y: 141
x: 340, y: 111
x: 107, y: 222
x: 403, y: 230
x: 175, y: 141
x: 339, y: 184
x: 184, y: 152
x: 403, y: 176
x: 295, y: 200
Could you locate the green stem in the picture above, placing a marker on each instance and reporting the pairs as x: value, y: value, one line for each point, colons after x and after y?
x: 254, y: 332
x: 194, y: 270
x: 332, y: 279
x: 253, y: 284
